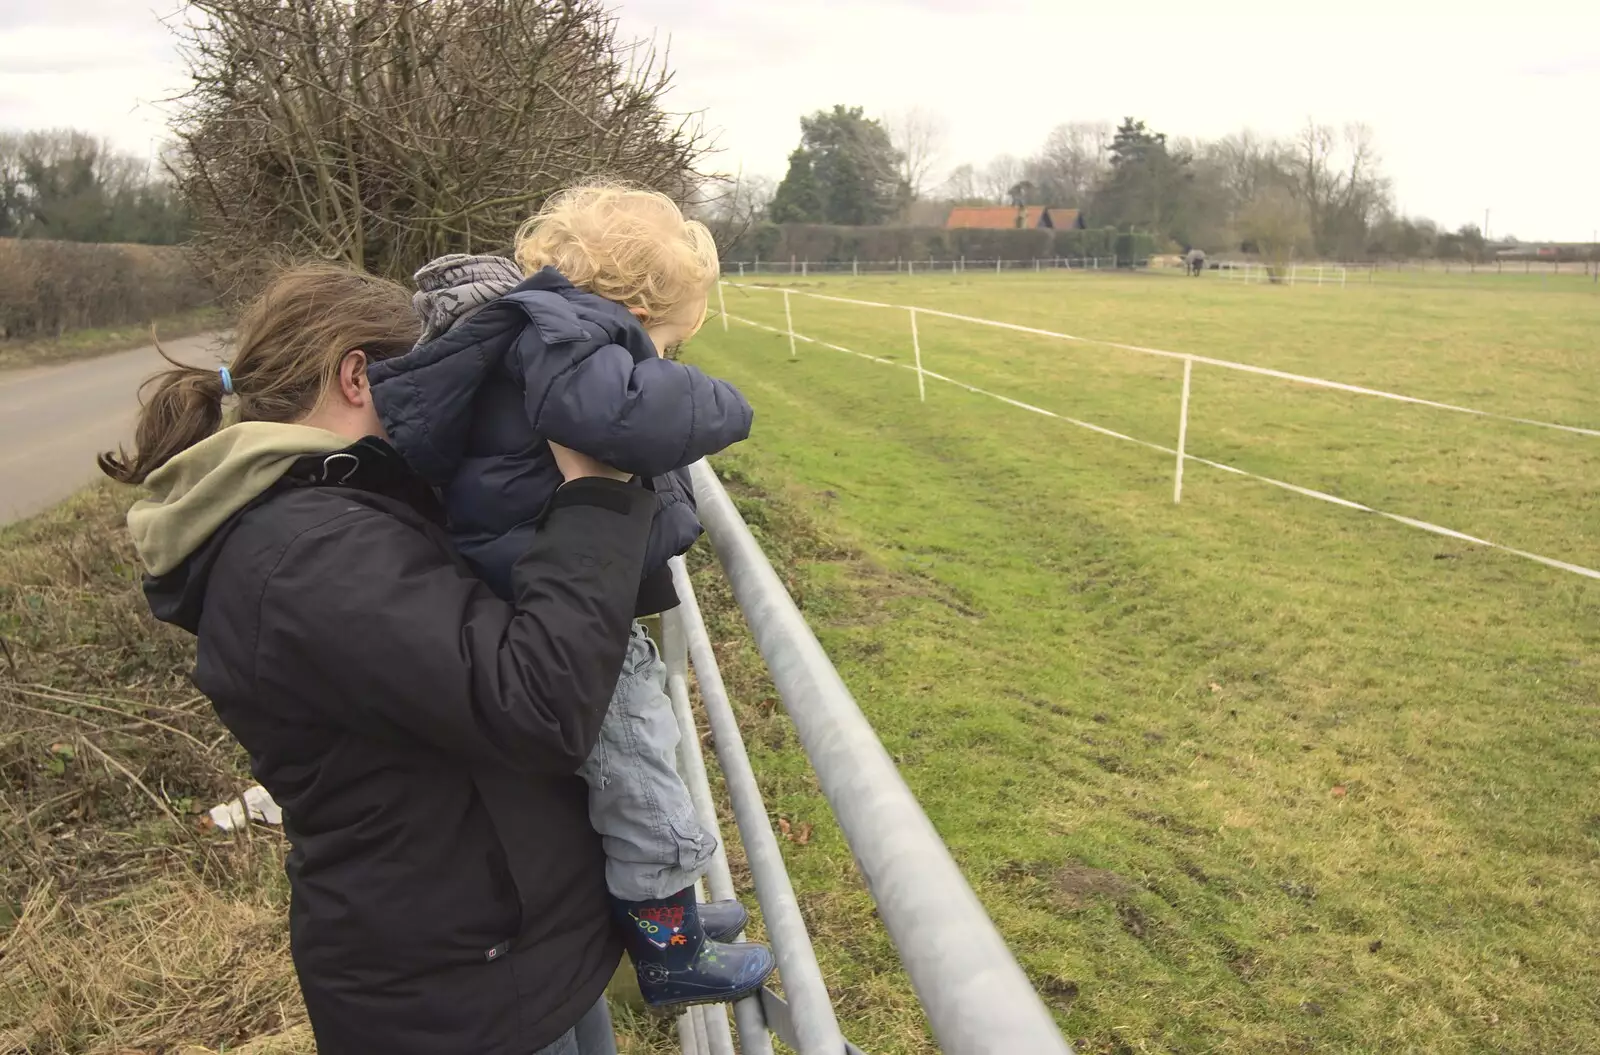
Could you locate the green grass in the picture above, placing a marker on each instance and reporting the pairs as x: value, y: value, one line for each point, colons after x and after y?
x: 1128, y: 719
x: 1253, y: 773
x: 89, y: 343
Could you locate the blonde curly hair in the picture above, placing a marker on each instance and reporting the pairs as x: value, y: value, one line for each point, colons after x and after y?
x: 625, y: 244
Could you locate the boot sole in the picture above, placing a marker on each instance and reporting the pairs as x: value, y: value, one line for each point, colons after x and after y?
x: 733, y: 998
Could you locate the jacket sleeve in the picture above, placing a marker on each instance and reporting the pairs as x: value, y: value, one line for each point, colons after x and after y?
x: 676, y: 526
x: 369, y: 622
x: 647, y: 417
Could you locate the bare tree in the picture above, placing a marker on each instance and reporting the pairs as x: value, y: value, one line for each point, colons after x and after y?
x: 919, y: 136
x: 1276, y: 223
x: 1075, y: 158
x: 731, y: 207
x: 961, y: 186
x: 998, y: 178
x: 384, y: 132
x: 1336, y: 178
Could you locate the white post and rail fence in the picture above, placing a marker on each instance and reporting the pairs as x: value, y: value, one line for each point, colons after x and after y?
x: 977, y: 998
x: 1179, y: 452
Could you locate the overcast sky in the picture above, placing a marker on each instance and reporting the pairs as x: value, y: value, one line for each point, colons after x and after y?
x: 1475, y: 104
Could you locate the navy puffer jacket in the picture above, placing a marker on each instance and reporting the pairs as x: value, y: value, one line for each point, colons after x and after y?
x: 471, y: 409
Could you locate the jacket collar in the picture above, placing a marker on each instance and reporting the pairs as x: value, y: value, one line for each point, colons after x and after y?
x: 370, y: 464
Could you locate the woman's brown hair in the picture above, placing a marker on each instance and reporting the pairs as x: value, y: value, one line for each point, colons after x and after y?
x: 288, y: 344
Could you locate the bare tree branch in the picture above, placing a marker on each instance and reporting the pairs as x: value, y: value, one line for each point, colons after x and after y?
x: 385, y: 132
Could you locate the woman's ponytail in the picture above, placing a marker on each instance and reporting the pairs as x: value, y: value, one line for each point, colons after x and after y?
x: 288, y: 345
x: 181, y: 407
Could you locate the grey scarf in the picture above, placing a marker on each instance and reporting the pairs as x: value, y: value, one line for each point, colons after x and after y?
x: 453, y: 288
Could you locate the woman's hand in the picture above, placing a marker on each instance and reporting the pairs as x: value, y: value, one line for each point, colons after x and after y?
x: 576, y: 466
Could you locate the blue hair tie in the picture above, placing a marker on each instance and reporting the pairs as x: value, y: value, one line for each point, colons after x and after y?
x: 227, y: 380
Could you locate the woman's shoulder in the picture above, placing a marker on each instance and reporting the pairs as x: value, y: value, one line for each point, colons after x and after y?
x: 242, y: 556
x: 299, y: 515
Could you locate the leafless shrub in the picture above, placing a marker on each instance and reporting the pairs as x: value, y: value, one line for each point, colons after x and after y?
x: 384, y: 132
x: 47, y: 288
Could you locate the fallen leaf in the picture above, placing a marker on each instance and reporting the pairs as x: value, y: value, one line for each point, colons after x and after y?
x: 783, y: 827
x: 1338, y: 791
x: 1215, y: 688
x: 803, y: 835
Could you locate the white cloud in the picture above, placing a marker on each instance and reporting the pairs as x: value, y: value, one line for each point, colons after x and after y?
x: 1475, y: 104
x: 100, y: 66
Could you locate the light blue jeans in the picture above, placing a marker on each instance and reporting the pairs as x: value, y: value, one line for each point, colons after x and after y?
x: 655, y: 845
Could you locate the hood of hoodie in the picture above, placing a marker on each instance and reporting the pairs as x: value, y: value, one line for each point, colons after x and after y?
x: 197, y: 492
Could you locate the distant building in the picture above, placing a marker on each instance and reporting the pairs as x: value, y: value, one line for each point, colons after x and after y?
x: 1009, y: 217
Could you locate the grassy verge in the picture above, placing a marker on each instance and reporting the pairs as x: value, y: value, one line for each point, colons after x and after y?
x: 87, y: 344
x: 1250, y: 774
x: 128, y: 924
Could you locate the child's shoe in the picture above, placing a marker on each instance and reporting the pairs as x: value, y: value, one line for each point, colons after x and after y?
x: 677, y: 961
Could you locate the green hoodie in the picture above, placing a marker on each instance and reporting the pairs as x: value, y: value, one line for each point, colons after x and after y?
x: 196, y: 492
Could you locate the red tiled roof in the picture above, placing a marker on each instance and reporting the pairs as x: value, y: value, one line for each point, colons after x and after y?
x: 986, y: 217
x: 1004, y: 217
x: 1064, y: 219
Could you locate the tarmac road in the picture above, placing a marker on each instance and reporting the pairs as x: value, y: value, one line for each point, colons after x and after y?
x: 55, y: 419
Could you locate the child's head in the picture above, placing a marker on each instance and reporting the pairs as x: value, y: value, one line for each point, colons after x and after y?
x: 627, y: 245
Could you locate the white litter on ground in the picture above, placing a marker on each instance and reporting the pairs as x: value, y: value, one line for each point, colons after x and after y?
x: 231, y: 815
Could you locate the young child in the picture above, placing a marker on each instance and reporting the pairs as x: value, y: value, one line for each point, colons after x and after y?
x: 568, y: 345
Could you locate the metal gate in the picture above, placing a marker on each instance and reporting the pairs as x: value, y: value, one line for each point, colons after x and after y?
x: 975, y: 995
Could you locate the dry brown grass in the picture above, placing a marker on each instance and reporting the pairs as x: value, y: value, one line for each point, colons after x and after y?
x: 125, y: 925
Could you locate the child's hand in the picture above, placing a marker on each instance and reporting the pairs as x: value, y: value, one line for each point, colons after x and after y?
x: 576, y: 466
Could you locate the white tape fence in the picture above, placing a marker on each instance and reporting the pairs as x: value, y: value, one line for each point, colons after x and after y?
x: 1178, y: 453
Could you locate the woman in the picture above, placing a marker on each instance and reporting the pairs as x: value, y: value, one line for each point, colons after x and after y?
x: 448, y: 893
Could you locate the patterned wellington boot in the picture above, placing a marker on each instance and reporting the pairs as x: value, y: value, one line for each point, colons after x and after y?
x: 678, y: 964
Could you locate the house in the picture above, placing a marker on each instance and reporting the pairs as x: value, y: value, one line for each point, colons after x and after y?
x: 1006, y: 217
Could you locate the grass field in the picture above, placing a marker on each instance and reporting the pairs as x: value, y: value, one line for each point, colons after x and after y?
x: 1254, y: 773
x: 1250, y: 774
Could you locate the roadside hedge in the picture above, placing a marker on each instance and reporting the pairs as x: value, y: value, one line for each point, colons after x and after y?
x: 48, y: 288
x: 822, y: 242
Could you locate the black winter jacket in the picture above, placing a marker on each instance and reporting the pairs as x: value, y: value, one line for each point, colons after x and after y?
x: 471, y: 409
x: 448, y: 892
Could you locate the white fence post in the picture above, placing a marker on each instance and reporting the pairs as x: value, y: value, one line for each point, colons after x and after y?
x: 805, y: 268
x: 1183, y: 430
x: 855, y: 266
x: 722, y: 306
x: 997, y: 267
x: 788, y: 319
x: 916, y: 352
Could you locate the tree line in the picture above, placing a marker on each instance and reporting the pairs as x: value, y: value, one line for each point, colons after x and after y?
x: 69, y: 186
x: 1321, y: 192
